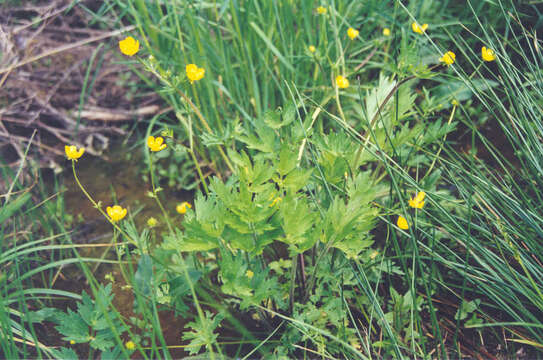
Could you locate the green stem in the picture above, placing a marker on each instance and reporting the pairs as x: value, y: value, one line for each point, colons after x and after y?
x: 183, y: 265
x: 193, y: 107
x: 312, y: 279
x: 202, y: 179
x: 292, y: 284
x: 155, y: 195
x: 95, y: 204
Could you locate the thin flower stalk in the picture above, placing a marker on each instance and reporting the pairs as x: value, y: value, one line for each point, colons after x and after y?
x: 196, y: 111
x: 185, y: 271
x: 95, y: 204
x: 155, y: 195
x: 200, y: 174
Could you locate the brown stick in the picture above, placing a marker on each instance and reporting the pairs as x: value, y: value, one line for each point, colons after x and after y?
x: 66, y: 47
x: 102, y: 114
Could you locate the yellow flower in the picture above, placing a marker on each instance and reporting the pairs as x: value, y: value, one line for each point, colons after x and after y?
x: 182, y: 208
x: 418, y: 201
x: 402, y: 223
x: 250, y: 274
x: 419, y: 29
x: 129, y: 46
x: 352, y: 33
x: 194, y: 73
x: 156, y: 144
x: 116, y: 212
x: 275, y: 201
x: 374, y: 254
x: 72, y: 342
x: 152, y: 222
x: 311, y: 49
x: 448, y: 58
x: 321, y: 10
x: 342, y: 82
x: 488, y: 54
x: 72, y: 153
x: 386, y: 32
x: 130, y: 345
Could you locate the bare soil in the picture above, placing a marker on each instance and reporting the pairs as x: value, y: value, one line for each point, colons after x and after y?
x: 62, y: 76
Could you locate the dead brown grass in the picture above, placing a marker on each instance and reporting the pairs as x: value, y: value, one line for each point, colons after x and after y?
x: 47, y: 50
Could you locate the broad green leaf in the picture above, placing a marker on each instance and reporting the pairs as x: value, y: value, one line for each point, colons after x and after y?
x: 287, y: 161
x: 143, y: 279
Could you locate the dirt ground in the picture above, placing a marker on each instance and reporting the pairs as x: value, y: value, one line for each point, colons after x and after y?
x: 62, y: 77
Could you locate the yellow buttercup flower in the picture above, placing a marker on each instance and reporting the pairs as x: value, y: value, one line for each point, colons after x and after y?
x: 182, y: 208
x: 373, y: 255
x: 152, y: 222
x: 352, y: 33
x: 418, y: 201
x: 386, y: 32
x: 321, y: 10
x: 342, y: 82
x: 129, y: 46
x: 72, y: 153
x: 419, y: 29
x: 72, y: 342
x: 488, y: 54
x: 116, y: 212
x: 448, y: 58
x: 194, y: 73
x: 250, y: 274
x: 402, y: 223
x: 312, y: 49
x: 130, y: 345
x: 156, y: 144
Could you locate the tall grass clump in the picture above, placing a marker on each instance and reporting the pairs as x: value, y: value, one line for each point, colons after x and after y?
x: 31, y: 252
x: 492, y: 243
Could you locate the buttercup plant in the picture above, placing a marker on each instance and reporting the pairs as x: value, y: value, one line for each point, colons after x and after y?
x: 448, y: 58
x: 352, y: 33
x: 402, y: 223
x: 116, y: 212
x: 72, y: 153
x: 129, y: 46
x: 182, y: 208
x: 152, y: 222
x: 488, y: 54
x: 306, y: 233
x: 417, y: 202
x: 303, y: 183
x: 342, y: 82
x: 419, y: 29
x: 156, y: 144
x: 194, y: 73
